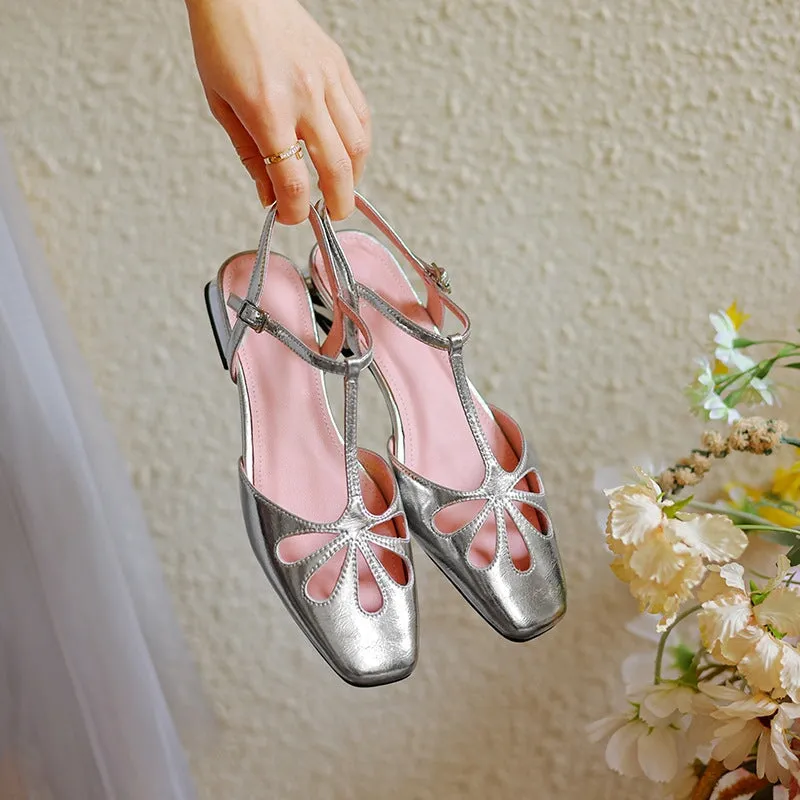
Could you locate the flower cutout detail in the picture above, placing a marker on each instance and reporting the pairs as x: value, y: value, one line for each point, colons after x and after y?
x: 355, y: 555
x: 493, y: 519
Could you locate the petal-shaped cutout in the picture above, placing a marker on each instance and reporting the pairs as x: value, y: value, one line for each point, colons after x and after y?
x: 530, y: 482
x: 370, y: 597
x: 377, y: 482
x: 517, y: 547
x: 322, y: 583
x: 397, y: 568
x: 483, y: 547
x: 298, y: 546
x: 394, y: 564
x: 537, y: 518
x: 451, y: 518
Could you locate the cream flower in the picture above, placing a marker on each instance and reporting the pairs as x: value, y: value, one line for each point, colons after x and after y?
x: 635, y: 511
x: 636, y: 749
x: 751, y: 629
x: 661, y: 555
x: 754, y: 721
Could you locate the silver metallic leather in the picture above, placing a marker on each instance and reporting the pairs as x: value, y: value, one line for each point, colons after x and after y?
x: 519, y: 605
x: 364, y: 648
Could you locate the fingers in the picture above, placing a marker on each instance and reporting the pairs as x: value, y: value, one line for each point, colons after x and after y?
x: 330, y: 157
x: 351, y: 130
x: 357, y: 101
x: 337, y: 132
x: 274, y: 133
x: 245, y: 147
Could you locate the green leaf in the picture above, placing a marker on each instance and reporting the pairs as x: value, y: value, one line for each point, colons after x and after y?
x: 757, y: 598
x: 678, y: 505
x: 764, y: 368
x: 793, y: 365
x: 735, y: 397
x: 682, y: 657
x: 742, y: 343
x: 794, y: 555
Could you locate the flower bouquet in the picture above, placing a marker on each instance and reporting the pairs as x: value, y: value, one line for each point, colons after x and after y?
x: 714, y: 708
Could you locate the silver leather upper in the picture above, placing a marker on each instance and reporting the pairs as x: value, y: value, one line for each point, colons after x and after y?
x: 518, y: 604
x: 365, y: 648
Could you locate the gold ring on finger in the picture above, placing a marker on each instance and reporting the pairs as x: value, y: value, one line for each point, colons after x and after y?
x: 295, y: 150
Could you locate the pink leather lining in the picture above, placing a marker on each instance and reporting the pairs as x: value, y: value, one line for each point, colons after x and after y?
x: 438, y: 442
x: 298, y: 456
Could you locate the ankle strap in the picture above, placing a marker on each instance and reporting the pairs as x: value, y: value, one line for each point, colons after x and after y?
x: 436, y: 280
x: 346, y: 321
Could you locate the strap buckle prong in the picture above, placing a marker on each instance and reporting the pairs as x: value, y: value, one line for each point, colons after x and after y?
x: 439, y: 276
x: 249, y: 313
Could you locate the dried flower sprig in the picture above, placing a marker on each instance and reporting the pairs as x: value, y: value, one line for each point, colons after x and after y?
x: 748, y: 435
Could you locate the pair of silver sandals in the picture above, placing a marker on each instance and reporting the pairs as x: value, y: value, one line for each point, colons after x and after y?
x: 331, y: 523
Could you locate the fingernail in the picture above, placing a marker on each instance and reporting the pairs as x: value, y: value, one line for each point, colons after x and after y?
x: 262, y: 193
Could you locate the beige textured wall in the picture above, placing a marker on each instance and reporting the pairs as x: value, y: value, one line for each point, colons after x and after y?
x: 596, y: 175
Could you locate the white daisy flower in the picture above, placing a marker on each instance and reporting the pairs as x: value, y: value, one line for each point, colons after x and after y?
x: 716, y: 408
x: 726, y: 335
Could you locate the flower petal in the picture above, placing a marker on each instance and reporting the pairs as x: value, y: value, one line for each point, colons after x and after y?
x: 713, y: 536
x: 634, y: 513
x: 722, y: 619
x: 658, y: 754
x: 761, y: 666
x: 659, y: 559
x: 734, y: 749
x: 725, y: 580
x: 790, y: 671
x: 780, y: 726
x: 666, y: 699
x: 781, y: 610
x: 606, y: 726
x: 622, y: 749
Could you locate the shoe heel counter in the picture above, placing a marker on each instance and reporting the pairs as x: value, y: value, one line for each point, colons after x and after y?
x: 218, y: 319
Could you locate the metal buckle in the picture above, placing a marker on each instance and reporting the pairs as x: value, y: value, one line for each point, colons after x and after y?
x: 252, y: 316
x: 439, y: 276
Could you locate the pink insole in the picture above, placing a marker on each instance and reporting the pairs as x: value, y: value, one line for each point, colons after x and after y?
x: 437, y: 439
x: 298, y: 456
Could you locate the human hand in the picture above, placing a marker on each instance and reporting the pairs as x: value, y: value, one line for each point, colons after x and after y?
x: 271, y: 76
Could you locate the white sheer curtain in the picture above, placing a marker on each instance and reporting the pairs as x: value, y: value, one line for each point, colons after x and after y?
x: 94, y: 679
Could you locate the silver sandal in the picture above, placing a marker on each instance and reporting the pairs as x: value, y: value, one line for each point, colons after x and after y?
x: 324, y: 517
x: 470, y: 486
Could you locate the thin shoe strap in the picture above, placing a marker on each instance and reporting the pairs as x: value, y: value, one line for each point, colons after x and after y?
x: 435, y: 280
x: 250, y: 315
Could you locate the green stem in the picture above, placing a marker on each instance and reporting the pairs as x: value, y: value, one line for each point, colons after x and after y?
x: 771, y: 528
x: 790, y: 440
x: 758, y: 522
x: 728, y: 380
x: 662, y: 643
x: 773, y: 341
